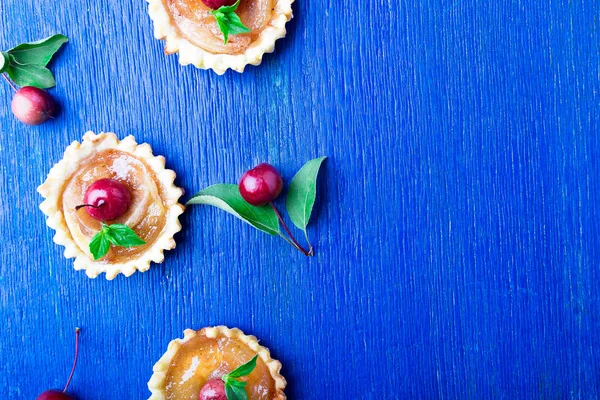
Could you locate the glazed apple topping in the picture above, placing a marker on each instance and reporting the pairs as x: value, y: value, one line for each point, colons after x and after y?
x: 106, y: 200
x: 202, y: 360
x: 197, y: 21
x: 113, y: 206
x: 229, y: 387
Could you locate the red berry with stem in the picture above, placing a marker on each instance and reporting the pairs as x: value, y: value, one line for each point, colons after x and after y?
x: 216, y: 4
x: 33, y: 106
x: 214, y: 389
x: 58, y: 394
x: 106, y: 200
x: 261, y: 185
x: 55, y: 395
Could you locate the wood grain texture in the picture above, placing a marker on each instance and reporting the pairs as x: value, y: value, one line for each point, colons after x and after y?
x: 457, y: 225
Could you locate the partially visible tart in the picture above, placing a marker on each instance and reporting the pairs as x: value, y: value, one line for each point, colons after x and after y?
x: 188, y: 28
x: 189, y: 363
x: 153, y: 212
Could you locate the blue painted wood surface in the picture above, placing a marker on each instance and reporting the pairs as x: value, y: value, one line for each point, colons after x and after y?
x: 457, y: 224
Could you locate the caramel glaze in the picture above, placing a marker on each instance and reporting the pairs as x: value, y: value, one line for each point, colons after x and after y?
x: 195, y: 23
x: 146, y: 214
x: 203, y: 358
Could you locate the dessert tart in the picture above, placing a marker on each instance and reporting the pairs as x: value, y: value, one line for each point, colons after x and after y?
x: 203, y: 357
x: 148, y: 204
x: 188, y: 27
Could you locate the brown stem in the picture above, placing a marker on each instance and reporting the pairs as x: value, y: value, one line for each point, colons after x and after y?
x: 74, y: 361
x: 294, y: 241
x: 12, y: 85
x: 100, y: 204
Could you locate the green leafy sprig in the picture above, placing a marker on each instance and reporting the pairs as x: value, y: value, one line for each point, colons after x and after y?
x: 234, y: 388
x: 301, y: 197
x: 26, y: 63
x: 228, y: 21
x: 116, y: 235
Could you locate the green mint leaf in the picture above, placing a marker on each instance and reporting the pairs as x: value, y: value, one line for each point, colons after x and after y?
x: 39, y: 52
x: 302, y: 193
x: 122, y: 236
x: 229, y: 9
x: 223, y: 27
x: 31, y: 75
x: 244, y: 369
x: 235, y: 382
x: 235, y: 25
x: 235, y: 393
x: 228, y: 198
x: 115, y: 234
x: 99, y: 245
x: 4, y: 61
x: 229, y: 22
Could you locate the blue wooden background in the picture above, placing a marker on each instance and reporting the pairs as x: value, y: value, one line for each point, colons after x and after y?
x: 457, y: 224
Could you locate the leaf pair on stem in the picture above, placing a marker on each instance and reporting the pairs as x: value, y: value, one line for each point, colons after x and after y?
x: 234, y: 388
x: 300, y: 201
x: 228, y: 21
x: 26, y: 63
x: 116, y: 235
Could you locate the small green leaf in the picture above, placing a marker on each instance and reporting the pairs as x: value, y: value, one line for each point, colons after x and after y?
x: 31, y: 75
x: 229, y: 22
x: 235, y: 24
x: 302, y: 193
x: 39, y: 52
x: 234, y: 389
x: 235, y: 393
x: 115, y: 234
x: 231, y: 8
x: 99, y: 246
x: 235, y: 382
x: 244, y: 369
x: 4, y: 61
x: 223, y: 27
x: 123, y: 236
x: 227, y: 197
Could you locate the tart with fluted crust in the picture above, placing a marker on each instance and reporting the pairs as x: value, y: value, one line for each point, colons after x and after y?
x: 153, y: 212
x: 211, y: 353
x: 189, y: 29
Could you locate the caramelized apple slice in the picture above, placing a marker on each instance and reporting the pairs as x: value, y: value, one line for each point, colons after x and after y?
x: 203, y: 358
x: 195, y: 22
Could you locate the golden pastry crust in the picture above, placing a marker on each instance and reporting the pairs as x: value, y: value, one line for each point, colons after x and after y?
x: 76, y: 245
x: 157, y: 383
x: 189, y: 53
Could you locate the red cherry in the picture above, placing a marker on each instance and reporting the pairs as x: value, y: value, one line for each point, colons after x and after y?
x: 106, y: 200
x: 214, y: 389
x: 55, y: 395
x: 32, y: 106
x: 216, y: 4
x: 62, y: 394
x: 261, y: 185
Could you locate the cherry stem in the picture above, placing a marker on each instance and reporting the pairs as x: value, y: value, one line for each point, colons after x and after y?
x: 12, y: 85
x: 74, y: 361
x: 293, y: 242
x: 100, y: 203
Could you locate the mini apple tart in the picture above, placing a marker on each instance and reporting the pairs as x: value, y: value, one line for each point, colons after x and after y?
x: 216, y: 363
x: 113, y: 205
x: 220, y: 34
